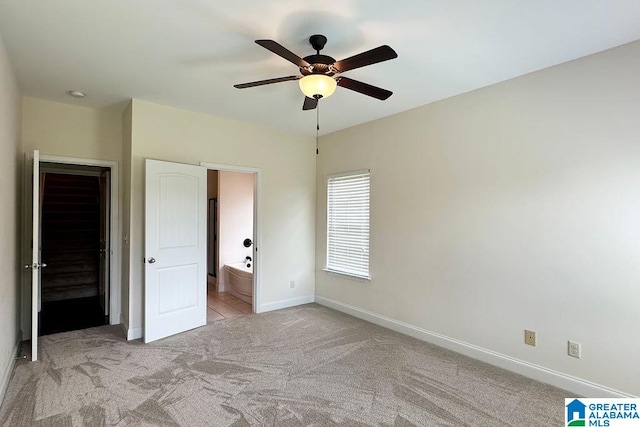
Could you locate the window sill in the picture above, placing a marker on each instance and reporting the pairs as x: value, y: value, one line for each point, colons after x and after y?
x: 347, y: 275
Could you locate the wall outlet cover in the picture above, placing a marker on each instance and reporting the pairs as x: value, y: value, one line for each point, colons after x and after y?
x: 529, y: 337
x: 573, y: 349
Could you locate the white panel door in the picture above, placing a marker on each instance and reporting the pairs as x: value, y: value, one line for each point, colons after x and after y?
x: 175, y: 249
x: 35, y: 254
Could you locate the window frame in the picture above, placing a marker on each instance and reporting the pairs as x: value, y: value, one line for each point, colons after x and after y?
x: 332, y: 269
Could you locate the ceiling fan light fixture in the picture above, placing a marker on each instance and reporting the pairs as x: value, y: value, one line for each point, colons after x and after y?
x: 317, y: 85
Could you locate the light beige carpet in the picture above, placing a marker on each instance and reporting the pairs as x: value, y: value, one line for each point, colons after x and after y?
x: 306, y: 365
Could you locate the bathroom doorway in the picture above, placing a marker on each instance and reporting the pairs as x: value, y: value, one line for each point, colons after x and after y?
x: 231, y: 251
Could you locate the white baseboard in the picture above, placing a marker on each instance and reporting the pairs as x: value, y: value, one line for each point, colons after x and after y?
x: 134, y: 334
x: 130, y: 333
x: 292, y: 302
x: 558, y: 379
x: 221, y: 282
x: 5, y: 374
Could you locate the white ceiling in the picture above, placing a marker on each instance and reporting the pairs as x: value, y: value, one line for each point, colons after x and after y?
x: 189, y: 53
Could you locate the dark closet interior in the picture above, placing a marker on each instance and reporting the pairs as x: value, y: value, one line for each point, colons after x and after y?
x: 72, y: 236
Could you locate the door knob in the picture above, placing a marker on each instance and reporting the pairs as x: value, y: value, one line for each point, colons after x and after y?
x: 247, y: 243
x: 43, y: 265
x: 27, y: 267
x: 151, y: 260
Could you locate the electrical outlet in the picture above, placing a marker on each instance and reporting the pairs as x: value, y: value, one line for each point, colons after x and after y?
x: 292, y: 284
x: 574, y: 349
x: 530, y: 337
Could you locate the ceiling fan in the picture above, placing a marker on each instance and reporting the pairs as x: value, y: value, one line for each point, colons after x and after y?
x: 319, y: 77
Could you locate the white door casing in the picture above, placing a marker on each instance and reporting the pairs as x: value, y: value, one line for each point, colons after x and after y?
x: 30, y: 204
x: 257, y: 225
x: 175, y: 293
x: 35, y: 254
x: 105, y: 251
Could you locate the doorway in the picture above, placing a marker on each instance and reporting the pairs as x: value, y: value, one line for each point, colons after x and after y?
x: 175, y: 246
x: 231, y: 222
x: 34, y: 264
x: 74, y: 236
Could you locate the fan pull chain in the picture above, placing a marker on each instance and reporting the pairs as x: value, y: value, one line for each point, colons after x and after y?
x: 317, y: 126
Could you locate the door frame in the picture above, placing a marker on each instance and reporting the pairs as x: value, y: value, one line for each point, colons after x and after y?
x: 257, y: 225
x: 114, y: 239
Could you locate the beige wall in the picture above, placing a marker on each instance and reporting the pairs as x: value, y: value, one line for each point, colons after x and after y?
x: 287, y: 164
x: 72, y: 131
x: 10, y: 181
x: 127, y: 117
x: 235, y: 204
x: 514, y: 206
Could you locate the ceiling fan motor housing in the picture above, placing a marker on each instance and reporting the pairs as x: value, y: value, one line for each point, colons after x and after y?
x: 317, y: 42
x: 318, y: 64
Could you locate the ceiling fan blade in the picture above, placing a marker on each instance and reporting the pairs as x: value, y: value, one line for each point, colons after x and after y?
x: 265, y: 82
x: 309, y: 103
x: 364, y: 88
x: 282, y: 51
x: 373, y: 56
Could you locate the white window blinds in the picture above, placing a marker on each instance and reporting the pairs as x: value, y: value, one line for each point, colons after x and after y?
x: 348, y: 224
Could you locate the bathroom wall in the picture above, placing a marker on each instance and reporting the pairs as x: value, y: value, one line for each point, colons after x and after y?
x: 235, y: 202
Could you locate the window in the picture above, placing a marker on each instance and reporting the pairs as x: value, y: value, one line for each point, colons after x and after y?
x: 348, y: 224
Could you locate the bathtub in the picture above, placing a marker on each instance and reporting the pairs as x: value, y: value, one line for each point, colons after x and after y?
x: 239, y: 281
